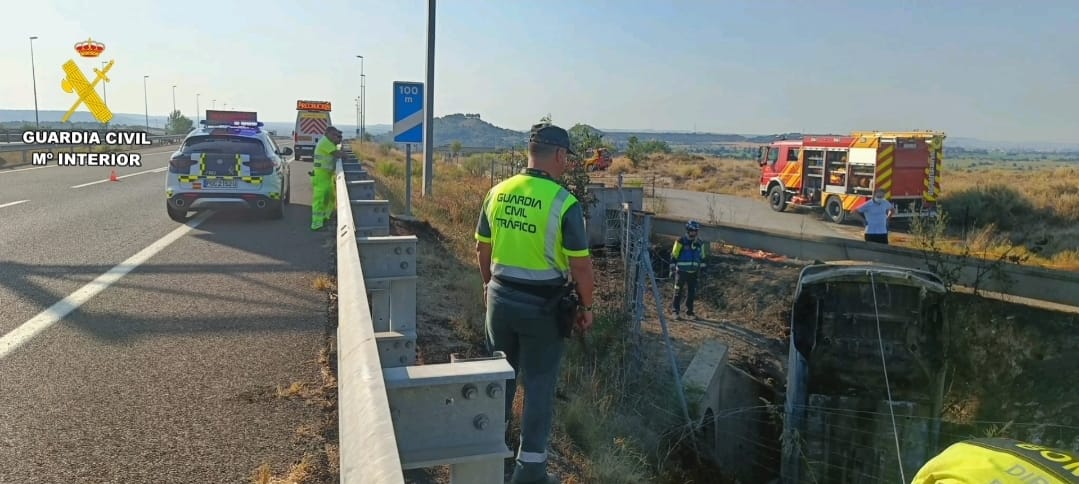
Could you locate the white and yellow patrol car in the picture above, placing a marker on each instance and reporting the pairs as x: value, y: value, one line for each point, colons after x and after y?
x: 230, y: 162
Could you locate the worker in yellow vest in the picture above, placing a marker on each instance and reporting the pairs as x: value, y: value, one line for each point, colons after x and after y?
x: 1000, y: 461
x: 533, y: 256
x: 323, y: 200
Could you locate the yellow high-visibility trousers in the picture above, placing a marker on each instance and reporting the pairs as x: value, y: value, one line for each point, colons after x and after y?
x: 323, y: 198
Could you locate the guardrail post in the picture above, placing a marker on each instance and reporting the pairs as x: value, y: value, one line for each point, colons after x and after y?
x: 354, y: 172
x: 372, y: 217
x: 452, y: 413
x: 389, y: 267
x: 361, y: 190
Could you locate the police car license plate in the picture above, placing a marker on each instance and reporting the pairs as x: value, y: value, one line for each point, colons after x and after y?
x: 212, y: 183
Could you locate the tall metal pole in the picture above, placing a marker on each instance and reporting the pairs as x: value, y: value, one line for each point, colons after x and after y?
x: 104, y: 96
x: 363, y: 107
x: 359, y: 116
x: 408, y: 179
x: 429, y: 100
x: 197, y: 118
x: 146, y: 101
x: 33, y: 75
x: 174, y: 98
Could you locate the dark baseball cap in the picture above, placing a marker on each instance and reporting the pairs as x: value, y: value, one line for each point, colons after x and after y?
x: 550, y: 134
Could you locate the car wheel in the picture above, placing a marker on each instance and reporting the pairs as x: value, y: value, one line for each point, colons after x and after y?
x: 176, y: 214
x: 834, y: 210
x: 777, y: 199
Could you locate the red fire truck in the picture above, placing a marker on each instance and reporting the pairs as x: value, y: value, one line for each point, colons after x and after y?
x: 840, y: 173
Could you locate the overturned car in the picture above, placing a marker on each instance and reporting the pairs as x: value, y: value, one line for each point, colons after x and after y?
x: 863, y: 335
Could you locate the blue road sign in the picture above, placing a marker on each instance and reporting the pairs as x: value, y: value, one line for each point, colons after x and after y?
x: 408, y: 112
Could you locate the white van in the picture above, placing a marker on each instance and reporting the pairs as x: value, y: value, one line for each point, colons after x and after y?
x: 312, y: 118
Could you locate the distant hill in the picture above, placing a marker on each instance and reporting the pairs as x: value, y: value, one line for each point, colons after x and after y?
x: 471, y: 131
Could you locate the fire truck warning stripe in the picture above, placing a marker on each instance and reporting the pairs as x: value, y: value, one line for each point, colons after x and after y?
x: 884, y: 169
x: 850, y: 202
x: 790, y: 175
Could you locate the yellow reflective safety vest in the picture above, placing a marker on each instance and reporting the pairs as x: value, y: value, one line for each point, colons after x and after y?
x: 1000, y: 461
x: 525, y: 214
x: 323, y: 157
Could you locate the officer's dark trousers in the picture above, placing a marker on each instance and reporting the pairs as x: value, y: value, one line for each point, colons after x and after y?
x: 685, y: 282
x: 517, y: 325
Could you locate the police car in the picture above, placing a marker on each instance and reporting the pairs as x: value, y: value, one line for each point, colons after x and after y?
x: 230, y: 162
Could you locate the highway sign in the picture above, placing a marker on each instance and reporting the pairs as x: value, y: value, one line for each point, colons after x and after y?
x: 408, y: 112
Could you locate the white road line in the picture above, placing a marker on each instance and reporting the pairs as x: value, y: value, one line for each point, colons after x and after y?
x: 26, y: 169
x: 155, y: 170
x: 26, y: 331
x: 13, y: 203
x: 16, y: 170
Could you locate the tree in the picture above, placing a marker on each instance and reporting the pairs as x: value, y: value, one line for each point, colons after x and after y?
x: 178, y: 124
x: 637, y: 151
x: 585, y: 138
x: 455, y: 150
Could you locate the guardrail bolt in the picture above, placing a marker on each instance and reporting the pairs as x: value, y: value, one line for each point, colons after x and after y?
x: 470, y: 391
x: 408, y: 251
x: 408, y: 344
x: 494, y: 390
x: 481, y: 421
x: 404, y: 265
x: 397, y: 250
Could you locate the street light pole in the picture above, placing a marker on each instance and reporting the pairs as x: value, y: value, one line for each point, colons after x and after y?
x: 174, y: 98
x: 363, y: 106
x: 197, y: 119
x: 146, y: 102
x: 428, y: 97
x: 33, y: 74
x: 104, y: 96
x: 357, y: 115
x: 359, y: 122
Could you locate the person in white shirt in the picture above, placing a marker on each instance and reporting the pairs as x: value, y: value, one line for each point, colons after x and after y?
x: 876, y: 213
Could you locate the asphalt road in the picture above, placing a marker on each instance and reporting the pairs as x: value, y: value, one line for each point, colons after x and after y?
x: 707, y: 207
x: 165, y: 369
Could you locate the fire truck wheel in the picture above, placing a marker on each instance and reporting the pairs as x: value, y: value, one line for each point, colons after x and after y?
x: 777, y: 199
x: 834, y: 210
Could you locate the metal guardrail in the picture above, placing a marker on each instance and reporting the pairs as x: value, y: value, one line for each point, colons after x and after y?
x: 1035, y: 283
x: 368, y: 448
x: 393, y: 414
x: 155, y: 140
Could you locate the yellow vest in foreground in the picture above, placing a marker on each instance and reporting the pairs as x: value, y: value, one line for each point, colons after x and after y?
x: 1000, y: 461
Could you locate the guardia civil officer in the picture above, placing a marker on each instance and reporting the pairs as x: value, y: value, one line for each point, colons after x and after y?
x: 530, y: 239
x: 323, y: 199
x: 1000, y: 460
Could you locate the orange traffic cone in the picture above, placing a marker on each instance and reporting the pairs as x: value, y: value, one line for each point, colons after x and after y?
x: 113, y: 177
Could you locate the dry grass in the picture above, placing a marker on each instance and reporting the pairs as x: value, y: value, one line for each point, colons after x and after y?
x: 603, y: 432
x: 319, y: 463
x: 324, y: 283
x: 999, y: 208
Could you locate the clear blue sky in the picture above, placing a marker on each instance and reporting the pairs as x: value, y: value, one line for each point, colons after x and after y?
x: 994, y: 69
